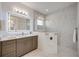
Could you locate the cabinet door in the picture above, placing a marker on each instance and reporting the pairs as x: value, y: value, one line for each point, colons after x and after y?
x: 20, y: 47
x: 9, y: 48
x: 24, y: 45
x: 0, y: 49
x: 28, y: 44
x: 35, y: 42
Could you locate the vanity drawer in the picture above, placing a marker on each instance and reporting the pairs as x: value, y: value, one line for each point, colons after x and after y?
x: 9, y: 53
x: 4, y: 43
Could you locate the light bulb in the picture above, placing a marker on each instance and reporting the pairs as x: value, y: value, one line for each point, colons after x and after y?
x: 15, y: 9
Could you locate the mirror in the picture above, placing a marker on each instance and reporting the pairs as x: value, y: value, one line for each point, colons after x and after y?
x: 18, y: 23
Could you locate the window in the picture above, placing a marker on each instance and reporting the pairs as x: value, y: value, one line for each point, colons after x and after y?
x: 39, y: 22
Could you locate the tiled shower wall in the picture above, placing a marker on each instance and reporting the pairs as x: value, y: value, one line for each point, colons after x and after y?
x: 64, y: 22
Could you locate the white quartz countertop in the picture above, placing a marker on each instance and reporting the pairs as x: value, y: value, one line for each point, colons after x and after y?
x: 15, y: 37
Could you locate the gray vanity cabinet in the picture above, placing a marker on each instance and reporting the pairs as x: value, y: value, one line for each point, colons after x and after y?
x: 9, y: 48
x: 18, y: 47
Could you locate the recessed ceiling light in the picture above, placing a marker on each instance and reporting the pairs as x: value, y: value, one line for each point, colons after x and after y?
x: 46, y: 10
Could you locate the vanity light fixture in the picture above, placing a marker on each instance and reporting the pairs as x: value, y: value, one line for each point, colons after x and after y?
x: 20, y: 11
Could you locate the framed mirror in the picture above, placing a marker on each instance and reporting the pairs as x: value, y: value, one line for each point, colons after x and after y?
x: 18, y: 22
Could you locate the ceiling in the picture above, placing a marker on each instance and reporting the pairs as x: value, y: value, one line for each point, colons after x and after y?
x: 47, y: 7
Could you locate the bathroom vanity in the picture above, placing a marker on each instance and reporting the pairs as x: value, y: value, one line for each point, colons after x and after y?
x: 18, y: 46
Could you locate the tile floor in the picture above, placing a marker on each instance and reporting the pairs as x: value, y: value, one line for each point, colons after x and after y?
x: 66, y: 52
x: 39, y: 53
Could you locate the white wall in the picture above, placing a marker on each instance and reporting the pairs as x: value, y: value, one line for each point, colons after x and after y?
x: 63, y: 22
